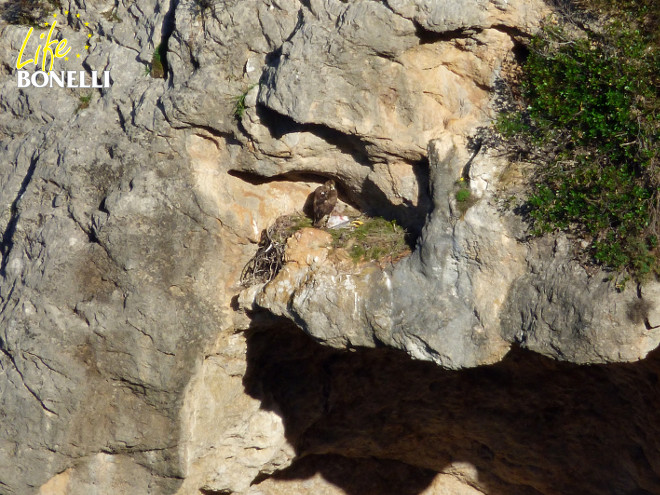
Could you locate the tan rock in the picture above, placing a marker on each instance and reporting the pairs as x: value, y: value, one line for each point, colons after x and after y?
x: 243, y: 208
x: 308, y: 247
x: 101, y: 472
x: 227, y: 438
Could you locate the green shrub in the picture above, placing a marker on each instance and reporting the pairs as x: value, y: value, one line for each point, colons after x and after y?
x: 462, y: 195
x: 591, y: 123
x: 239, y: 105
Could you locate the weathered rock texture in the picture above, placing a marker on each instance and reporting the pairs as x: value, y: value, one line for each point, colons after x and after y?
x: 131, y: 361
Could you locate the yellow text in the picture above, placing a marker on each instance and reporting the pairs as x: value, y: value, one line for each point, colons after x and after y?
x: 46, y: 50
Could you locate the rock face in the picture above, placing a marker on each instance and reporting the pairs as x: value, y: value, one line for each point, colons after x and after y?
x: 132, y: 361
x: 465, y: 295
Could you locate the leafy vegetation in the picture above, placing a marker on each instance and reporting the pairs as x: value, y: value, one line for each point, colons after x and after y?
x: 588, y: 115
x: 462, y: 195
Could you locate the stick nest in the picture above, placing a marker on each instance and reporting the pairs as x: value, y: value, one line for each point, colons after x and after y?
x: 269, y: 258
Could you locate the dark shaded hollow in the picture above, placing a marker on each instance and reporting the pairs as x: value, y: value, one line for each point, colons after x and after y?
x: 369, y: 198
x: 367, y: 476
x: 428, y: 37
x: 529, y: 425
x: 7, y: 240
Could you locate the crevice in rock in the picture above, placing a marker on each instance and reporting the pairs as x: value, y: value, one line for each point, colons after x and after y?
x: 206, y: 491
x: 91, y: 233
x: 527, y: 425
x: 166, y: 32
x: 6, y: 299
x: 279, y: 125
x: 515, y: 33
x: 638, y: 310
x: 427, y: 37
x: 256, y: 180
x: 475, y: 143
x: 520, y: 52
x: 32, y: 392
x: 273, y: 56
x: 131, y: 449
x: 7, y: 241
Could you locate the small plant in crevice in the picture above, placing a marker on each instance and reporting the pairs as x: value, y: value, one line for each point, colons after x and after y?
x: 463, y: 195
x: 239, y: 103
x: 83, y: 101
x: 589, y: 119
x: 158, y: 68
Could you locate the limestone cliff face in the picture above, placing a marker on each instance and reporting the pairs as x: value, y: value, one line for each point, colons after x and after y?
x: 132, y: 361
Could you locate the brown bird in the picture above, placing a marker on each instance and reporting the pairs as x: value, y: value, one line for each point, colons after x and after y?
x: 325, y: 199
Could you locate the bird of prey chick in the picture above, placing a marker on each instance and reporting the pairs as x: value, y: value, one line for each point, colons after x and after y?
x: 325, y: 199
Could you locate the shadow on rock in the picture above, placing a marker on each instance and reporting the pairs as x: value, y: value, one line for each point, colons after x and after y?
x: 364, y: 476
x: 528, y: 425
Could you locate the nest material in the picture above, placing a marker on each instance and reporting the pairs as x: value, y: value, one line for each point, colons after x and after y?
x: 365, y: 239
x: 269, y: 258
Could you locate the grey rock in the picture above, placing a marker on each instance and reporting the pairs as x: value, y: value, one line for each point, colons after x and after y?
x: 463, y: 298
x: 552, y: 310
x: 327, y: 72
x: 450, y: 16
x: 93, y: 305
x: 443, y: 16
x: 426, y: 305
